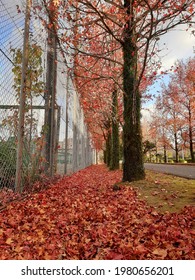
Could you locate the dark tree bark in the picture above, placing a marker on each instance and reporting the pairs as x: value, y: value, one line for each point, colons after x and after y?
x: 191, y: 135
x: 133, y: 168
x: 114, y: 164
x: 165, y: 153
x: 108, y: 149
x: 176, y: 148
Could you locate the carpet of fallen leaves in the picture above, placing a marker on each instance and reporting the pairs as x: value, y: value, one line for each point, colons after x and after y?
x: 82, y: 217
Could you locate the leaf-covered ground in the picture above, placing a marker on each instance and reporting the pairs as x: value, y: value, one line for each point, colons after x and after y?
x: 82, y: 217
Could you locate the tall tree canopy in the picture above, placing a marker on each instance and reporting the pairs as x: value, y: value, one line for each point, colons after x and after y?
x: 115, y: 43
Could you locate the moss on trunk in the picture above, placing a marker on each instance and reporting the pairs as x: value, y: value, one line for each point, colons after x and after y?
x: 133, y: 167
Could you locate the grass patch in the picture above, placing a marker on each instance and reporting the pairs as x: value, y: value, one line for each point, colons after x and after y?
x: 166, y: 192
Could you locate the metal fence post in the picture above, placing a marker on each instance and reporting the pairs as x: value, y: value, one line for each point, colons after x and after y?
x: 50, y: 99
x: 66, y: 124
x: 57, y: 136
x: 75, y: 134
x: 22, y: 99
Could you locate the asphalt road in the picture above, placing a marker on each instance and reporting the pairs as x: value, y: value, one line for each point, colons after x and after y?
x: 186, y: 171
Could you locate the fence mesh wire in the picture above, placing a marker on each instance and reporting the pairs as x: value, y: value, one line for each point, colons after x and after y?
x: 73, y: 148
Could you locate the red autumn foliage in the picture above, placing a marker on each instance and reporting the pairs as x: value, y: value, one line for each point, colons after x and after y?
x: 8, y: 195
x: 82, y: 217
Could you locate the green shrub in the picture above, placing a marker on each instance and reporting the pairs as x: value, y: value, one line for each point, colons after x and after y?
x: 7, y: 163
x: 182, y: 161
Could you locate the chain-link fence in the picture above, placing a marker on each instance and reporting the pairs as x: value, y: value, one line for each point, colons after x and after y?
x: 74, y: 147
x: 49, y: 125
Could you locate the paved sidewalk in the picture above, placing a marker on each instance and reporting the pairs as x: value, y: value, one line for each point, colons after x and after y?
x: 182, y: 170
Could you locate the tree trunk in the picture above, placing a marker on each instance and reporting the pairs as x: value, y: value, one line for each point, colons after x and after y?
x: 191, y: 137
x: 176, y: 148
x: 165, y: 154
x: 104, y: 153
x: 133, y: 168
x: 108, y: 149
x: 191, y: 146
x: 114, y: 164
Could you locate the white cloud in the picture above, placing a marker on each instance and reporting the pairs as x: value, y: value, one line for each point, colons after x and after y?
x: 177, y: 44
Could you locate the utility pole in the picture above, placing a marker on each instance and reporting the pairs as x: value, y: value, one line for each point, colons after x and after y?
x: 20, y: 140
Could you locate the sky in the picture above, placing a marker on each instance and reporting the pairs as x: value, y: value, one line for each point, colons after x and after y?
x: 178, y: 44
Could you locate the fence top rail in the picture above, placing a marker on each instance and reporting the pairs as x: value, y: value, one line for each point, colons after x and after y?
x: 17, y: 107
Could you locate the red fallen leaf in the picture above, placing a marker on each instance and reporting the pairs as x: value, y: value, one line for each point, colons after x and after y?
x: 18, y: 249
x: 140, y: 249
x: 171, y: 204
x: 160, y: 205
x: 8, y: 241
x: 92, y: 253
x: 160, y: 252
x: 154, y: 213
x: 192, y: 231
x: 155, y: 193
x: 118, y: 257
x: 80, y: 217
x: 114, y: 256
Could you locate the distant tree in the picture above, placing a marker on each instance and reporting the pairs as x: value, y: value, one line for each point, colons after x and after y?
x: 174, y: 121
x: 162, y: 127
x: 174, y: 116
x: 184, y: 81
x: 148, y: 146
